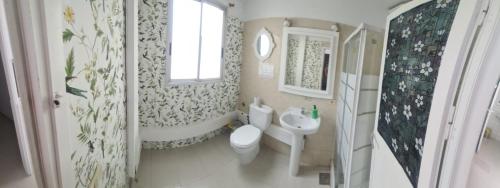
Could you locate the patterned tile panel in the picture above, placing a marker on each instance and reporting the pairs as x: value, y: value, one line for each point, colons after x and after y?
x: 416, y: 42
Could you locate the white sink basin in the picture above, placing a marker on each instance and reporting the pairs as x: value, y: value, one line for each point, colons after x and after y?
x: 299, y: 123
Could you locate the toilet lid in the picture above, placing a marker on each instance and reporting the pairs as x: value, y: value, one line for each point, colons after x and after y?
x: 245, y: 136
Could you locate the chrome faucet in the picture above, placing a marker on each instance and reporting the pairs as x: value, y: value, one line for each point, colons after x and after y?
x: 303, y: 111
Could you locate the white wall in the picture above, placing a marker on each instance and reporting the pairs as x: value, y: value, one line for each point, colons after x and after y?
x: 351, y: 12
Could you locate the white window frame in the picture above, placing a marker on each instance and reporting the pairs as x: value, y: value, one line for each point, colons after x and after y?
x: 197, y: 80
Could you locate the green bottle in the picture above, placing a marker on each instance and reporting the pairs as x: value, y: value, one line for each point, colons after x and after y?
x: 314, y: 112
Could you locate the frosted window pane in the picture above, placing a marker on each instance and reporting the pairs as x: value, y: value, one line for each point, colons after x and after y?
x: 211, y: 42
x: 185, y: 39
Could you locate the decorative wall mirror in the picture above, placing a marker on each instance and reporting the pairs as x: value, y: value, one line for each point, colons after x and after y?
x: 263, y: 44
x: 308, y: 61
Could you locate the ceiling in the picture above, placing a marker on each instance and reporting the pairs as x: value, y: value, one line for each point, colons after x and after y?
x: 372, y: 12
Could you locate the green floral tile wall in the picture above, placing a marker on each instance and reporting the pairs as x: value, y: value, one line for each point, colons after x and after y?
x: 94, y: 41
x: 416, y: 42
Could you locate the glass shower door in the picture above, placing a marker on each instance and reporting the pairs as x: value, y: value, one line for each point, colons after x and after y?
x: 346, y: 105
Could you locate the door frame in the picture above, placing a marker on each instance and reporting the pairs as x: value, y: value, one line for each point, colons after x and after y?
x: 8, y: 61
x: 51, y: 12
x: 38, y: 28
x: 452, y: 63
x: 29, y: 14
x: 362, y: 31
x: 132, y: 75
x: 479, y: 79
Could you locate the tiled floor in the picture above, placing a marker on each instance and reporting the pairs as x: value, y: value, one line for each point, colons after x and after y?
x: 12, y: 173
x: 214, y: 164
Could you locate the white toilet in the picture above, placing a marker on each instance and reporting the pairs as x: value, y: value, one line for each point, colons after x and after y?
x: 245, y: 140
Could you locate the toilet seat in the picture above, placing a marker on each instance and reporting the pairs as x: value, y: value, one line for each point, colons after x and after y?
x: 245, y: 136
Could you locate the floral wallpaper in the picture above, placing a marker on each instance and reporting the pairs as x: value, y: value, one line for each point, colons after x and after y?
x: 164, y: 105
x: 157, y: 145
x: 416, y: 42
x: 94, y: 41
x: 313, y: 64
x: 291, y: 61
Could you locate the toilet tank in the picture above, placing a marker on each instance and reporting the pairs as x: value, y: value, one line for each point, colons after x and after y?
x: 260, y: 117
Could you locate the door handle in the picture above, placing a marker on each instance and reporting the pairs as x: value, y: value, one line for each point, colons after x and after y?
x: 57, y: 101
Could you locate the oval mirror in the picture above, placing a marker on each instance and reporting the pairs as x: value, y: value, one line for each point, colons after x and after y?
x: 263, y: 44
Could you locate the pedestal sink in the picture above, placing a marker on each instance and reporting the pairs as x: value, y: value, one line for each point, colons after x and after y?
x: 299, y: 125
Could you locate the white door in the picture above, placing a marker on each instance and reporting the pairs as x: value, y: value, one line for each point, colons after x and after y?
x: 478, y: 80
x: 86, y: 63
x: 52, y: 23
x: 15, y: 100
x: 419, y: 75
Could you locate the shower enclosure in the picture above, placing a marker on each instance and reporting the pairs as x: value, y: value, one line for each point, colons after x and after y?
x: 356, y: 104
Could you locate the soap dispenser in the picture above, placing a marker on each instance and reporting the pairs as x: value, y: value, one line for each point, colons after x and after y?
x: 314, y: 112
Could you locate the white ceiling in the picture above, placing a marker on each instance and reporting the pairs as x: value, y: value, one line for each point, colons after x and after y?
x: 351, y: 12
x: 388, y: 3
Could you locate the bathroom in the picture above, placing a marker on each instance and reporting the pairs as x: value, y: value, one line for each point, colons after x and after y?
x: 252, y: 93
x: 187, y: 123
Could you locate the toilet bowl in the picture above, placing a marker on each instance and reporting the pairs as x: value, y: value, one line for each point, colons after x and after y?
x: 245, y: 140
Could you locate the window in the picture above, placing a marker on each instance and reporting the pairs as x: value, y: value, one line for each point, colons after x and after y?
x: 196, y: 36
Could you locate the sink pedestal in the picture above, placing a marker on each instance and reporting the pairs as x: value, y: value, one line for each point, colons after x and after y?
x: 299, y: 125
x: 297, y: 146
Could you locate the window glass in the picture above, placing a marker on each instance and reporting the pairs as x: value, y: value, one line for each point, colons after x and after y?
x: 185, y: 43
x: 196, y: 40
x: 211, y: 42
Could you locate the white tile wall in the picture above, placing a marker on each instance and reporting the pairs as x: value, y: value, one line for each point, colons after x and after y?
x: 367, y: 99
x: 349, y: 98
x: 341, y: 92
x: 365, y: 118
x: 369, y: 82
x: 359, y: 179
x: 351, y: 80
x: 364, y: 130
x: 347, y: 124
x: 361, y: 159
x: 345, y: 152
x: 343, y: 76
